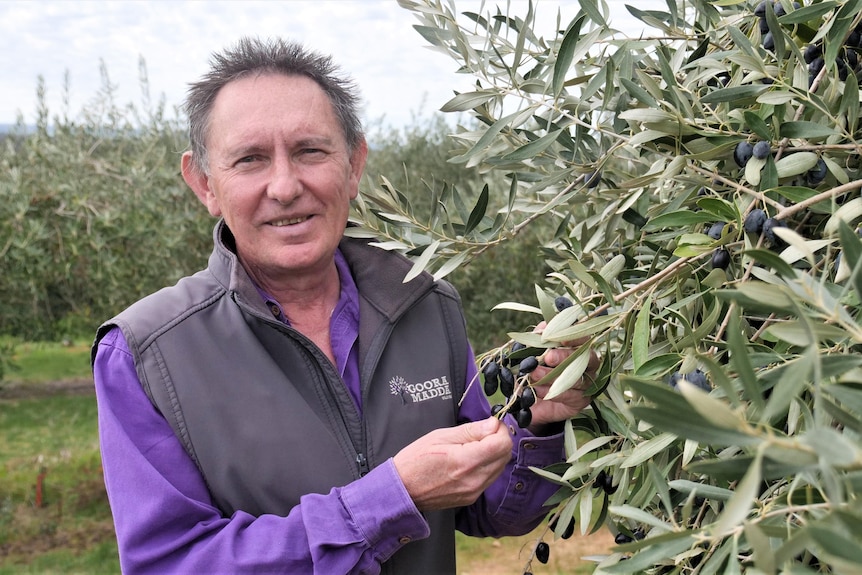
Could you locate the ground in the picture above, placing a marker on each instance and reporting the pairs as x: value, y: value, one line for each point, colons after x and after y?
x: 508, y: 556
x: 17, y: 390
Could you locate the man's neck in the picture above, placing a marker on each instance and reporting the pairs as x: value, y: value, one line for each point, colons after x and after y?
x: 307, y: 300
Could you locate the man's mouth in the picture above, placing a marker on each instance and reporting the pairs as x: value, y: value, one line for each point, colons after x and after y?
x: 288, y: 221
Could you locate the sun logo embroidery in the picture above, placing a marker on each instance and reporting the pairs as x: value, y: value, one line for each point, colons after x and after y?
x: 418, y: 392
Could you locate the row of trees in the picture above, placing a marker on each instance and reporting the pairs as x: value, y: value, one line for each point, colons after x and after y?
x: 94, y: 213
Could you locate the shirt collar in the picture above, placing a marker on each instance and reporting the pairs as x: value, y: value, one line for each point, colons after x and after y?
x: 348, y: 299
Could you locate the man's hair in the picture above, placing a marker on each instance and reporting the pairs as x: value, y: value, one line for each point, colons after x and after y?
x: 275, y: 56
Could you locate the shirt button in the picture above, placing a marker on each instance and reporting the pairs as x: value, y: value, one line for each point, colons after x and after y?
x: 405, y: 539
x: 274, y: 309
x: 530, y: 446
x: 519, y: 486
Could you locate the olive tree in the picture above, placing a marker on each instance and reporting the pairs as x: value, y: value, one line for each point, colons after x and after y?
x: 699, y: 190
x: 94, y: 214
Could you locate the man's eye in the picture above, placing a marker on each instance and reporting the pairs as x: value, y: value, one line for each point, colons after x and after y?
x: 247, y: 159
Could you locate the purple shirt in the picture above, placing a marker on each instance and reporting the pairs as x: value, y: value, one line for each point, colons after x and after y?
x: 166, y: 521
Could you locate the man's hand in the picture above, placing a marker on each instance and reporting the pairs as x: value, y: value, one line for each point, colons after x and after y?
x: 569, y: 403
x: 451, y: 467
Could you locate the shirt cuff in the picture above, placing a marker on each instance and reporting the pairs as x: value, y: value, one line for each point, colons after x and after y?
x: 527, y: 489
x: 538, y: 451
x: 383, y: 511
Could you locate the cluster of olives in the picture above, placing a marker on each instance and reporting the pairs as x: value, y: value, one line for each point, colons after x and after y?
x: 756, y: 223
x: 846, y: 61
x: 760, y: 11
x: 745, y: 150
x: 759, y: 224
x: 761, y: 150
x: 603, y: 481
x: 498, y: 376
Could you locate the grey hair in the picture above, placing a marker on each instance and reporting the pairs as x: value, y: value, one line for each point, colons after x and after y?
x: 275, y: 56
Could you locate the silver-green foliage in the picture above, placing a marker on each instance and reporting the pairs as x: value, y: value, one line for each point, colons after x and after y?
x: 93, y: 215
x: 624, y: 148
x: 413, y: 160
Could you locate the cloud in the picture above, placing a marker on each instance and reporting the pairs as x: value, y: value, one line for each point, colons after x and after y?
x: 373, y: 40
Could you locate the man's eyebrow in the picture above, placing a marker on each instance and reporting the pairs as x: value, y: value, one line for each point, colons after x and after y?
x: 241, y: 150
x: 244, y: 150
x: 314, y: 141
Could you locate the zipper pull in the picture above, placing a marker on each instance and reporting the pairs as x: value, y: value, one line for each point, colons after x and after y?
x: 362, y: 463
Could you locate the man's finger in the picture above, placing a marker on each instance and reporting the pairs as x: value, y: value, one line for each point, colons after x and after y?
x: 476, y: 430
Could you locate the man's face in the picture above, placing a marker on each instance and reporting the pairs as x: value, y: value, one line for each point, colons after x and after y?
x: 280, y: 173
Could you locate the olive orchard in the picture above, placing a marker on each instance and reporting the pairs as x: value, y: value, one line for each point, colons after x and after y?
x: 94, y: 214
x: 717, y: 275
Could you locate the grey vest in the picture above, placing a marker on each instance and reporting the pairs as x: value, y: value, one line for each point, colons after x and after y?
x: 262, y: 411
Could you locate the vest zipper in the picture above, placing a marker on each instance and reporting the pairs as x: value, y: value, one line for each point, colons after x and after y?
x: 311, y: 349
x: 362, y: 463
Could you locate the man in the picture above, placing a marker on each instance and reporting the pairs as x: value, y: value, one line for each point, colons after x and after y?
x: 295, y: 407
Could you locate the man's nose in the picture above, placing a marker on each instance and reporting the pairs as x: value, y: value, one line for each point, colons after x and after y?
x: 285, y: 183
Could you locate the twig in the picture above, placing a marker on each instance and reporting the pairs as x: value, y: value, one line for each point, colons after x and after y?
x: 804, y: 204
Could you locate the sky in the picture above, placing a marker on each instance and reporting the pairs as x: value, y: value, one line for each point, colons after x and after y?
x: 372, y: 40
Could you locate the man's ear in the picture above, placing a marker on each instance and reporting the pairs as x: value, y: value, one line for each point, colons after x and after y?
x: 357, y: 166
x: 199, y: 182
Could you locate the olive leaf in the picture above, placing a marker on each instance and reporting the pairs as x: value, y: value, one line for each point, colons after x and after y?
x: 571, y: 375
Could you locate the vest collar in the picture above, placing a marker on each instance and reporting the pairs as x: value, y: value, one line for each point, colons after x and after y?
x: 378, y: 274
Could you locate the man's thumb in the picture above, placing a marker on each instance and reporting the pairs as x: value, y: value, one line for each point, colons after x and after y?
x: 478, y: 430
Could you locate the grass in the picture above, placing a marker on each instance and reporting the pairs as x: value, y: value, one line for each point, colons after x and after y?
x: 54, y: 514
x: 49, y: 361
x: 52, y: 440
x: 99, y: 559
x: 56, y: 433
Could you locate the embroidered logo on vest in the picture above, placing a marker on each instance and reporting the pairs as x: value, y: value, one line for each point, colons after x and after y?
x: 417, y: 392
